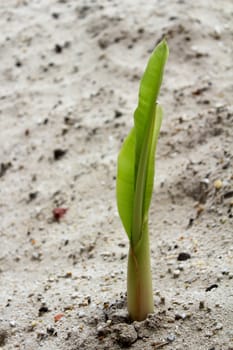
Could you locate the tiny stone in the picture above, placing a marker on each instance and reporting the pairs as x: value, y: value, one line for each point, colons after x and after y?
x: 74, y: 296
x: 209, y: 334
x: 205, y: 181
x: 126, y: 334
x: 12, y: 324
x: 162, y: 300
x: 68, y: 274
x: 225, y: 271
x: 103, y: 329
x: 36, y: 256
x: 201, y: 305
x: 218, y: 184
x: 58, y: 48
x: 43, y: 309
x: 68, y: 307
x: 176, y: 273
x: 81, y: 314
x: 171, y: 338
x: 51, y: 330
x: 118, y: 114
x: 59, y: 153
x: 218, y: 326
x: 180, y: 267
x: 119, y: 316
x: 213, y: 286
x: 41, y: 335
x: 182, y: 316
x: 33, y: 324
x: 183, y: 256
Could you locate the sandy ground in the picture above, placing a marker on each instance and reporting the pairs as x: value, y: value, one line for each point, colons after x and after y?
x: 70, y: 73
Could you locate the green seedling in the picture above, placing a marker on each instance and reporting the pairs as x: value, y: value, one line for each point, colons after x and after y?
x: 135, y: 179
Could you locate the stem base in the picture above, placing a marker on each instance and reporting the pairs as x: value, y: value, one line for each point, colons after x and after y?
x: 139, y: 280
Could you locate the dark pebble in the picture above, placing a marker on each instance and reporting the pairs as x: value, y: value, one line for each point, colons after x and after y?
x: 58, y: 48
x: 4, y: 167
x: 59, y: 153
x: 118, y: 114
x: 228, y: 194
x: 32, y: 196
x: 201, y: 305
x: 213, y: 286
x: 103, y: 329
x: 55, y: 15
x: 43, y: 309
x: 126, y: 334
x: 18, y: 64
x: 51, y: 331
x: 183, y: 256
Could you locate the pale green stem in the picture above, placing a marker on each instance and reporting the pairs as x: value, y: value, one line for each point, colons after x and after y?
x: 139, y: 279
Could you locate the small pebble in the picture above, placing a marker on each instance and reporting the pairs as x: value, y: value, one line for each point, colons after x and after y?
x: 41, y: 335
x: 59, y: 153
x: 201, y: 305
x: 171, y: 337
x: 36, y: 256
x: 183, y: 256
x: 34, y: 324
x: 103, y: 329
x: 119, y: 316
x: 51, y: 330
x: 213, y: 286
x: 176, y: 273
x: 182, y: 316
x: 43, y: 309
x: 225, y: 271
x: 81, y: 314
x: 58, y: 48
x: 205, y: 181
x: 218, y: 326
x: 12, y: 324
x: 218, y: 184
x: 126, y: 334
x: 209, y: 334
x: 162, y: 300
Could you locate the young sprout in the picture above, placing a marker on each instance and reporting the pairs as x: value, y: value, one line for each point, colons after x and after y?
x: 135, y: 179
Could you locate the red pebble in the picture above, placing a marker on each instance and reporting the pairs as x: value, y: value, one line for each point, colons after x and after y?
x: 58, y: 213
x: 58, y: 317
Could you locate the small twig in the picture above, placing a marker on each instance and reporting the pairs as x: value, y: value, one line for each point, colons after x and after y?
x: 159, y: 345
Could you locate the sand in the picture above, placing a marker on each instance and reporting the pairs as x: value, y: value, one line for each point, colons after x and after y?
x: 70, y: 73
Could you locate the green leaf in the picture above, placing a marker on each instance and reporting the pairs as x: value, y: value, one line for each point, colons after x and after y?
x: 135, y: 174
x: 151, y: 162
x: 145, y: 174
x: 148, y: 93
x: 125, y: 181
